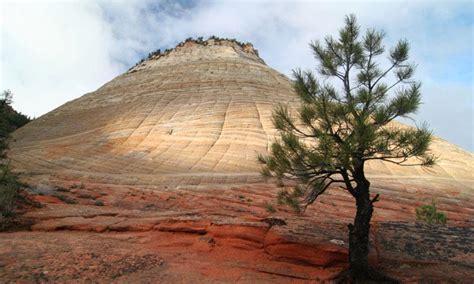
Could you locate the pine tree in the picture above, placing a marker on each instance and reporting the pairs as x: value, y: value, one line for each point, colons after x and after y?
x: 9, y: 183
x: 341, y: 126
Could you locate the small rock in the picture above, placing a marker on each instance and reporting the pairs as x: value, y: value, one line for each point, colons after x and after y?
x: 337, y: 242
x: 272, y: 221
x: 405, y: 266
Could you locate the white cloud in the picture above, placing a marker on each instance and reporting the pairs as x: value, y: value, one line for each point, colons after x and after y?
x: 57, y: 51
x: 53, y: 53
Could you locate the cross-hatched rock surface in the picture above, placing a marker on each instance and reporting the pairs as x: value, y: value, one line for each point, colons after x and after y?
x: 200, y: 112
x: 195, y: 116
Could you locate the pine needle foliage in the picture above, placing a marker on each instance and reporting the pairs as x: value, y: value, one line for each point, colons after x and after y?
x: 345, y: 120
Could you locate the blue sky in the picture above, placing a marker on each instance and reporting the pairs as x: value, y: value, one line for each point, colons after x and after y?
x: 55, y: 51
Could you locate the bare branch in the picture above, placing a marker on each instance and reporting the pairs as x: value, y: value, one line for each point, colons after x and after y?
x: 375, y: 199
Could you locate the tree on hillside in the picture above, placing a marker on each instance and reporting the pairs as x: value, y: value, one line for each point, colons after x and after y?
x: 10, y: 186
x: 341, y: 126
x: 6, y: 98
x: 10, y: 120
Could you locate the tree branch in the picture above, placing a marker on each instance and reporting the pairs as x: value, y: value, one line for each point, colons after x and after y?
x: 400, y: 163
x: 385, y: 73
x: 347, y: 181
x: 375, y: 199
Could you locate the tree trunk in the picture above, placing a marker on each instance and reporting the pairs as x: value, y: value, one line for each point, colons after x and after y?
x: 359, y: 241
x: 359, y: 269
x: 359, y: 232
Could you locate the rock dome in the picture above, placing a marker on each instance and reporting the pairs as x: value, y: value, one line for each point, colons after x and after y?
x: 195, y: 115
x: 200, y: 111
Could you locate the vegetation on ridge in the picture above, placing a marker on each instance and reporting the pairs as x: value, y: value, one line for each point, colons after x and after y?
x: 342, y: 126
x: 200, y: 40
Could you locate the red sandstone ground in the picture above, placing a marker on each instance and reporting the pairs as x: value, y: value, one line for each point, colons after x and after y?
x: 214, y: 235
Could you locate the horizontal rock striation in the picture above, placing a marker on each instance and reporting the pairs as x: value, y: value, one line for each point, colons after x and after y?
x: 219, y: 235
x: 199, y: 112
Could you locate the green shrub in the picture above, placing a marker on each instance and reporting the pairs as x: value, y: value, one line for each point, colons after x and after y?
x: 99, y: 203
x: 9, y: 191
x: 429, y: 214
x: 8, y: 196
x: 270, y: 208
